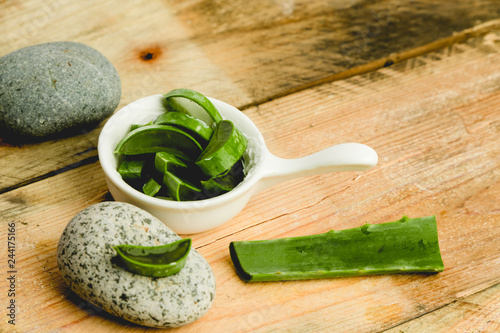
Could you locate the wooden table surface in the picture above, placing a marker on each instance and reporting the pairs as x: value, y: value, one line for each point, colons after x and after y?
x: 419, y: 81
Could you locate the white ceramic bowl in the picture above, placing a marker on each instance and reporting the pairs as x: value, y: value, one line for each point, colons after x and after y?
x: 262, y: 168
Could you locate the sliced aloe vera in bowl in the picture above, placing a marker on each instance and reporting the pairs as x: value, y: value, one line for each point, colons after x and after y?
x: 194, y: 104
x: 226, y: 147
x: 151, y: 187
x: 180, y: 189
x: 153, y: 261
x: 156, y: 138
x: 188, y: 144
x: 165, y: 161
x: 225, y: 182
x: 194, y: 126
x: 131, y: 170
x: 136, y: 126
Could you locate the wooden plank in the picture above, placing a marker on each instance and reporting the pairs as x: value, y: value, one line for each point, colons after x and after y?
x: 395, y: 105
x: 248, y: 52
x: 479, y: 312
x: 435, y: 127
x: 241, y: 53
x: 24, y: 163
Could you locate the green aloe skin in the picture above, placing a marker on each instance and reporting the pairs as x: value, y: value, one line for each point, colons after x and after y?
x: 404, y: 246
x: 153, y: 261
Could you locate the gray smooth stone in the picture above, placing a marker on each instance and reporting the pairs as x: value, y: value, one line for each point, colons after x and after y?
x: 50, y: 88
x: 84, y: 257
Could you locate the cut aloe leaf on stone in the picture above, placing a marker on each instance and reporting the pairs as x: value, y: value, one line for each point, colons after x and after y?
x: 194, y: 104
x: 225, y: 148
x: 179, y: 189
x: 156, y: 138
x: 151, y: 187
x: 165, y: 161
x: 131, y: 170
x: 194, y: 126
x: 153, y: 261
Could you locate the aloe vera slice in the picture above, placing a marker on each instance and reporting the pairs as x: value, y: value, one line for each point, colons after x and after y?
x: 165, y: 161
x: 156, y: 138
x: 226, y: 147
x: 194, y: 104
x: 404, y: 246
x: 224, y: 182
x: 180, y: 189
x: 131, y: 170
x: 151, y: 187
x: 153, y: 261
x: 195, y: 127
x: 136, y: 126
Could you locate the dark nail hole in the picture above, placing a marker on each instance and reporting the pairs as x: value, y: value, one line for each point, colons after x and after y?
x: 150, y: 54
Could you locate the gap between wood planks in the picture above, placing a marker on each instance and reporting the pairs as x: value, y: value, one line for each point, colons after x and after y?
x: 391, y: 59
x: 85, y: 161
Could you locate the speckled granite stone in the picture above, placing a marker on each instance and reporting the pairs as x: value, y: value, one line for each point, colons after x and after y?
x: 48, y: 88
x: 84, y: 258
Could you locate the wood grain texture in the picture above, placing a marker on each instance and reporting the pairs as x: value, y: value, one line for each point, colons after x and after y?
x: 242, y: 53
x: 479, y: 312
x: 435, y: 124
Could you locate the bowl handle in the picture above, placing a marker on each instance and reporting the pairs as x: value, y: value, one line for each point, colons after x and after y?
x: 341, y: 157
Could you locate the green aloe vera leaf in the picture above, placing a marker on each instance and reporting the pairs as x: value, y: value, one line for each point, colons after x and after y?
x: 404, y: 246
x: 131, y: 170
x: 151, y: 187
x: 194, y: 104
x: 226, y: 147
x: 153, y: 261
x: 194, y: 126
x: 164, y: 197
x: 165, y: 161
x: 156, y: 138
x: 179, y: 189
x: 224, y: 182
x: 136, y: 126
